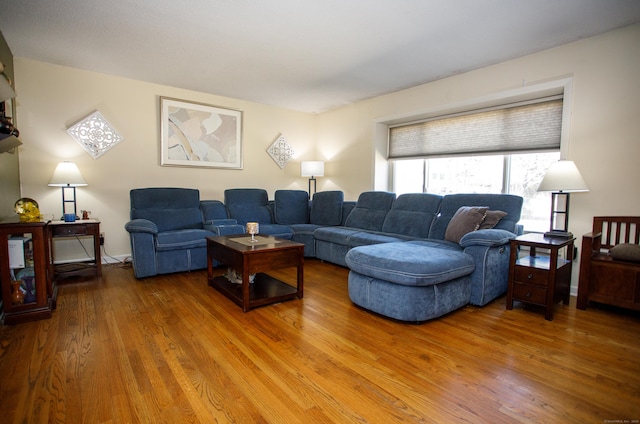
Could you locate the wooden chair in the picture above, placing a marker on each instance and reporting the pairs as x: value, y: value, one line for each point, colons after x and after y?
x: 604, y: 279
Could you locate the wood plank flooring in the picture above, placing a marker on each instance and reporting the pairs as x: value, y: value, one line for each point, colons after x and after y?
x: 170, y: 349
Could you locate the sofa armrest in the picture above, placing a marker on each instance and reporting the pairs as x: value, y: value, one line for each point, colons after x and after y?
x: 141, y: 226
x: 215, y: 222
x: 221, y: 227
x: 488, y: 238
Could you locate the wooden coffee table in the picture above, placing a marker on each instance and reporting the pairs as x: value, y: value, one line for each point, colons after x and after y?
x: 246, y: 257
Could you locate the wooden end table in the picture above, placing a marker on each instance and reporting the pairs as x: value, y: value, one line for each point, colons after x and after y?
x: 246, y: 258
x: 78, y: 228
x: 541, y: 280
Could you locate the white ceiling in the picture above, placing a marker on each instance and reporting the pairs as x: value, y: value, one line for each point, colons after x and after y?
x: 307, y: 55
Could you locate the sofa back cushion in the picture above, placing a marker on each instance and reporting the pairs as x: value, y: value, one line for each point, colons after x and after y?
x: 370, y: 210
x: 326, y: 208
x: 248, y: 205
x: 450, y: 204
x: 169, y: 208
x: 291, y: 207
x: 412, y: 214
x: 213, y: 209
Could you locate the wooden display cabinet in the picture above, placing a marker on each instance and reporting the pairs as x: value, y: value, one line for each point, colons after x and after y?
x: 25, y: 254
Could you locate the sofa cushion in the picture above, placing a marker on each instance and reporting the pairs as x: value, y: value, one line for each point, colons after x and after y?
x: 337, y: 235
x: 213, y: 209
x: 169, y: 208
x: 452, y: 202
x: 326, y: 208
x: 248, y: 205
x: 410, y: 263
x: 370, y: 210
x: 291, y: 207
x: 276, y: 230
x: 465, y: 220
x: 362, y: 238
x: 181, y: 239
x: 412, y: 214
x: 625, y: 252
x: 491, y: 219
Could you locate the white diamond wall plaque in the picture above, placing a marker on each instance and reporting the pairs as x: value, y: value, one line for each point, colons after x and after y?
x: 95, y: 134
x: 280, y: 151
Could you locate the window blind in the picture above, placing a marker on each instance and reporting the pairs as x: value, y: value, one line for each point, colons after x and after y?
x: 532, y: 126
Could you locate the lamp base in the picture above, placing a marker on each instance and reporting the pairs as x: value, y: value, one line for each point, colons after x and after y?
x: 558, y: 234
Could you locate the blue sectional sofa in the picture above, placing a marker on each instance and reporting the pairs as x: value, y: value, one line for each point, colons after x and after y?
x: 412, y: 257
x: 424, y: 278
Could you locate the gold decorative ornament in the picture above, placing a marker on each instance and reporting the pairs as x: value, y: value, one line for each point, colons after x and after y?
x: 27, y: 209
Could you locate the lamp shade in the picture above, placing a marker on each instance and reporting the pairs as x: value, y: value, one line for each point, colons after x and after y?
x: 312, y: 168
x: 563, y: 176
x: 67, y: 174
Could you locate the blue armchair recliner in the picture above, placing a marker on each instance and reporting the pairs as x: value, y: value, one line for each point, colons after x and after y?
x: 168, y: 228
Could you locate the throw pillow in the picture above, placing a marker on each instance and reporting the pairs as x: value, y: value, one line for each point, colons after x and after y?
x: 626, y: 252
x: 492, y: 219
x: 465, y: 220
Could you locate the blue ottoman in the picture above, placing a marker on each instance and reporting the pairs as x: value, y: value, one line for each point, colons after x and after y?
x: 410, y: 281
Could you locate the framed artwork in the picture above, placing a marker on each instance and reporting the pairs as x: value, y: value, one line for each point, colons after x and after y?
x: 197, y: 134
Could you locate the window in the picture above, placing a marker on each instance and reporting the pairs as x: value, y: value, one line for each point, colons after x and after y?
x: 503, y: 149
x: 517, y: 174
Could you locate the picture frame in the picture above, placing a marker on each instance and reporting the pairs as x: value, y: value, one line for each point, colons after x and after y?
x: 199, y: 135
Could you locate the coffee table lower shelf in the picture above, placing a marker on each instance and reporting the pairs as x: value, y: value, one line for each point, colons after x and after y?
x: 265, y: 290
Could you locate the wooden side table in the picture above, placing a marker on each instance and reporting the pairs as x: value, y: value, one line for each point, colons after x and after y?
x: 25, y: 261
x: 80, y: 228
x: 541, y: 280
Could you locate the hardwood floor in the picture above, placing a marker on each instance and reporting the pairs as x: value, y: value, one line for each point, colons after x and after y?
x: 171, y: 349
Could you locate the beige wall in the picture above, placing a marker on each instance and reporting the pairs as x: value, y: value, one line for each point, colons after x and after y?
x: 52, y: 98
x: 602, y: 137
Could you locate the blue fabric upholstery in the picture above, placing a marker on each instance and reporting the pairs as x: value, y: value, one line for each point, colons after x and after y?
x: 370, y: 210
x: 167, y: 230
x: 408, y: 303
x: 252, y: 205
x: 248, y: 205
x: 291, y: 207
x: 410, y: 263
x: 326, y: 208
x: 168, y: 208
x: 412, y: 214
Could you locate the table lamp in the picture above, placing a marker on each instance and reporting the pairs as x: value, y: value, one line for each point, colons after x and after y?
x: 562, y: 178
x: 68, y: 177
x: 312, y: 168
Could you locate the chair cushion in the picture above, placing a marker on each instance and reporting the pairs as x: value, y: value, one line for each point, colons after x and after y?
x: 625, y: 252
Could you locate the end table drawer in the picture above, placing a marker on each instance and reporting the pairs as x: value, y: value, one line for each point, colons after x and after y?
x: 529, y: 293
x: 528, y: 275
x: 69, y: 230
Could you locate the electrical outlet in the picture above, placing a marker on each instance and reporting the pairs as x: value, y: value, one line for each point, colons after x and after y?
x: 101, y: 239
